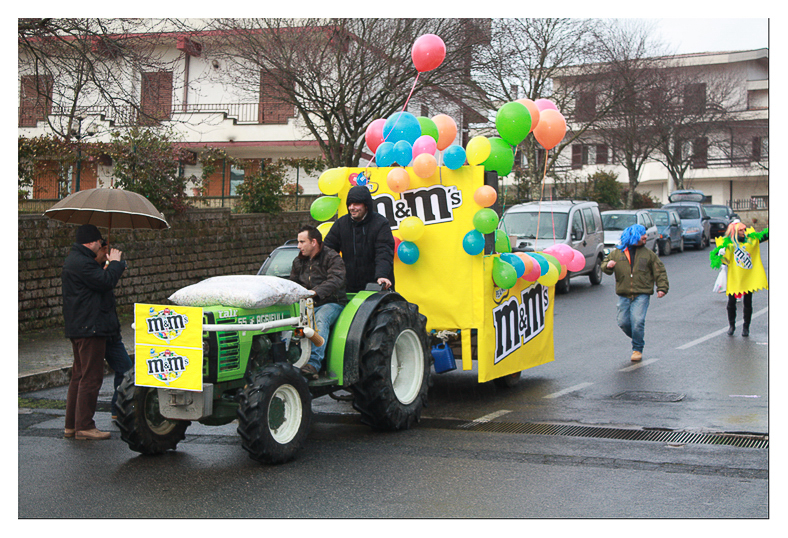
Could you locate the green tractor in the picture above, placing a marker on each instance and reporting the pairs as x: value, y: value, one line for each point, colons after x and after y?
x: 378, y: 351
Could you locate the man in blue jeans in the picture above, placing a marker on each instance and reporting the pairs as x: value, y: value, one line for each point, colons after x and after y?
x: 322, y: 271
x: 637, y: 270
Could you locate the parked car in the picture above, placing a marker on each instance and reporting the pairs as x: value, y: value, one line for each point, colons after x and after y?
x: 720, y: 217
x: 693, y: 215
x: 539, y: 225
x: 670, y: 230
x: 616, y: 221
x: 280, y: 261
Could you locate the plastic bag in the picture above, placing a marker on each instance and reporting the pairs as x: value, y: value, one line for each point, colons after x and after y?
x: 241, y: 291
x: 721, y: 284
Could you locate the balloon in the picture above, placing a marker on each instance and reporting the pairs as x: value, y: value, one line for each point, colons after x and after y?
x: 398, y: 179
x: 374, y: 134
x: 528, y: 262
x: 428, y: 127
x: 504, y: 275
x: 424, y: 165
x: 447, y: 130
x: 401, y: 126
x: 545, y: 104
x: 477, y: 150
x: 403, y: 153
x: 424, y: 144
x: 501, y: 157
x: 515, y: 262
x: 552, y: 260
x: 408, y: 252
x: 533, y: 109
x: 428, y: 52
x: 562, y: 251
x: 541, y: 261
x: 513, y: 122
x: 384, y: 155
x: 473, y: 242
x: 397, y: 242
x: 550, y: 278
x: 332, y: 180
x: 454, y: 157
x: 324, y: 207
x: 551, y: 129
x: 502, y: 242
x: 485, y: 196
x: 411, y: 228
x: 485, y: 221
x: 563, y: 273
x: 535, y: 272
x: 324, y: 228
x: 578, y: 262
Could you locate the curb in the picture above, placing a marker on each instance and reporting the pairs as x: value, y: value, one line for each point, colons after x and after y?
x: 57, y: 377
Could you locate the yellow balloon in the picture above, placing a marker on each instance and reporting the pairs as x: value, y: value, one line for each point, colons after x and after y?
x: 332, y: 180
x: 411, y: 229
x: 477, y: 150
x: 324, y: 228
x: 550, y: 278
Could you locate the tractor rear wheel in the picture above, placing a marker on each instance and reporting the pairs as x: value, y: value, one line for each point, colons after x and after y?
x: 394, y: 368
x: 275, y: 413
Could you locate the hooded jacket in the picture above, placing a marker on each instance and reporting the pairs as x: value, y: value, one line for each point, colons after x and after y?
x: 88, y: 297
x: 638, y: 276
x: 367, y: 246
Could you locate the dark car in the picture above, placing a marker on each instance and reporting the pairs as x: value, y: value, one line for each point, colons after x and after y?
x: 670, y: 230
x: 693, y: 217
x: 280, y: 261
x: 720, y: 217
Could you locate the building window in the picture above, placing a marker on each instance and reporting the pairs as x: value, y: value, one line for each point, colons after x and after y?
x: 760, y: 148
x: 236, y: 178
x: 579, y: 155
x: 274, y: 108
x: 156, y: 97
x: 695, y: 98
x: 585, y: 108
x: 700, y: 153
x: 35, y: 99
x: 601, y: 154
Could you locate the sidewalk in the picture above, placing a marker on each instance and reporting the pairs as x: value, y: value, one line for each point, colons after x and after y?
x: 45, y: 358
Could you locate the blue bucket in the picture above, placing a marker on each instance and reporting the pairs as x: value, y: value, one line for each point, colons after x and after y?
x: 444, y: 358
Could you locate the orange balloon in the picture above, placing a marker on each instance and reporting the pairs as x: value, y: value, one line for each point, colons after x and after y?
x: 485, y: 196
x: 447, y: 130
x: 398, y: 179
x: 424, y: 165
x: 533, y: 109
x: 551, y: 129
x: 527, y: 260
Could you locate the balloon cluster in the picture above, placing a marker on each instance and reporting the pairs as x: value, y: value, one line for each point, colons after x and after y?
x: 546, y: 267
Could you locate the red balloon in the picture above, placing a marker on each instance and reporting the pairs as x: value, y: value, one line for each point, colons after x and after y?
x: 374, y: 135
x: 428, y: 52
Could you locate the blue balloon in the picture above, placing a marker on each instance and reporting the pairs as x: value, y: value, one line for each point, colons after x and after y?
x: 544, y: 265
x: 401, y: 126
x: 515, y: 261
x: 384, y: 155
x: 403, y: 153
x: 408, y: 252
x: 454, y: 157
x: 473, y: 243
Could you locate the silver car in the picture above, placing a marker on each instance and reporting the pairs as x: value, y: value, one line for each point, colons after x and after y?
x: 617, y: 220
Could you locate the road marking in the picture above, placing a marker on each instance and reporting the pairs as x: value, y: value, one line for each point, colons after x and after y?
x: 491, y: 416
x: 717, y: 333
x: 637, y: 365
x: 568, y: 390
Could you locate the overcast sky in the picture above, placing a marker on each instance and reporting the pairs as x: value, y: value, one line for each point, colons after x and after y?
x: 713, y: 35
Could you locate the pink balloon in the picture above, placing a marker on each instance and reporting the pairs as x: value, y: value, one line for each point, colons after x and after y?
x: 544, y: 104
x: 563, y: 252
x: 578, y: 261
x: 424, y: 144
x: 374, y: 135
x: 536, y: 272
x: 428, y: 52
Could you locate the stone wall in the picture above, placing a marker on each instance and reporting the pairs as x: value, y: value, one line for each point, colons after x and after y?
x: 198, y: 245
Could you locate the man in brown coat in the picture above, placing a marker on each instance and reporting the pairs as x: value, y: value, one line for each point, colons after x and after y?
x: 321, y: 270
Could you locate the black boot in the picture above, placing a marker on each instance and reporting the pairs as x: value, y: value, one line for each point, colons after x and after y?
x: 731, y: 316
x: 745, y: 331
x: 731, y: 330
x: 747, y: 317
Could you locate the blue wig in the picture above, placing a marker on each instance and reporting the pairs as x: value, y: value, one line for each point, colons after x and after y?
x: 630, y: 236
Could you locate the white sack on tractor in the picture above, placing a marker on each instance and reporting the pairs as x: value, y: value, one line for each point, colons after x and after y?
x: 241, y: 291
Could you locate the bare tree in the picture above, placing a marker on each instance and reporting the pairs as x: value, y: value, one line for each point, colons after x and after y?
x: 341, y: 74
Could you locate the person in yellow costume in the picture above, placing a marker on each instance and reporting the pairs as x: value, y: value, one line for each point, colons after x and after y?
x: 740, y: 250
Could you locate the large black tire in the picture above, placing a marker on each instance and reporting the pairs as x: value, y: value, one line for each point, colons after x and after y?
x: 563, y: 286
x: 275, y: 413
x: 141, y: 425
x: 595, y: 276
x: 394, y: 368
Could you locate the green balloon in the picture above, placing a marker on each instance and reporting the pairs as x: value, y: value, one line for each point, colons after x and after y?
x: 502, y: 243
x: 485, y: 221
x: 501, y: 157
x: 513, y: 122
x: 428, y: 127
x: 552, y: 260
x: 504, y: 274
x: 324, y: 207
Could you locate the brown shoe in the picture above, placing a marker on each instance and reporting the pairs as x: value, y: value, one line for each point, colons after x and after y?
x: 94, y: 435
x: 309, y: 371
x: 69, y: 432
x: 636, y: 356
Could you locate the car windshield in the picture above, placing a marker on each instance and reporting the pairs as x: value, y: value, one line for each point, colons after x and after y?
x: 718, y: 212
x: 550, y: 225
x: 688, y: 212
x: 618, y: 221
x: 281, y: 261
x: 660, y: 218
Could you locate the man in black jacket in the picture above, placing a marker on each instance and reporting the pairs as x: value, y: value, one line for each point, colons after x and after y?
x: 364, y: 239
x: 90, y: 318
x: 321, y: 270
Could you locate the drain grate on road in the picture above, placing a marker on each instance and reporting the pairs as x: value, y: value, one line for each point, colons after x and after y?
x: 649, y: 396
x: 653, y: 435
